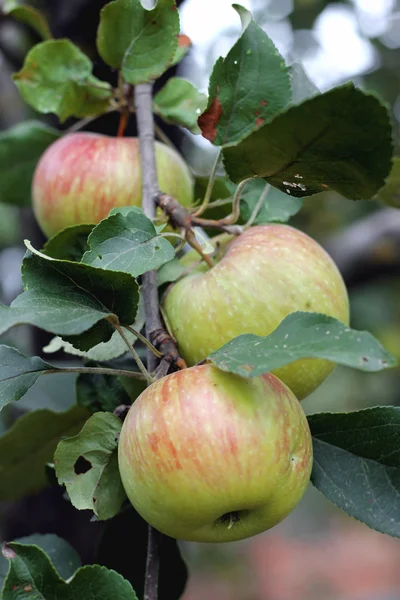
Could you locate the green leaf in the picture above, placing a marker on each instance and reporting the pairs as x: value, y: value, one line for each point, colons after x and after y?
x: 340, y: 140
x: 184, y: 45
x: 357, y: 464
x: 69, y: 298
x: 179, y: 102
x: 31, y: 574
x: 18, y: 373
x: 63, y: 556
x: 169, y: 272
x: 141, y: 42
x: 276, y: 208
x: 127, y: 241
x: 390, y: 193
x: 114, y: 348
x: 20, y: 149
x: 29, y: 444
x: 102, y: 392
x: 302, y: 87
x: 247, y: 89
x: 88, y: 466
x: 57, y: 78
x: 303, y: 335
x: 69, y: 244
x: 29, y: 16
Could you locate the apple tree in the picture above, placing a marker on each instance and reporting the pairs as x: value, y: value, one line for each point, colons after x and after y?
x: 194, y: 326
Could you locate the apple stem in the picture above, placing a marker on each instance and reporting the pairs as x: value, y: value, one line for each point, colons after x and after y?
x: 210, y: 186
x: 123, y: 122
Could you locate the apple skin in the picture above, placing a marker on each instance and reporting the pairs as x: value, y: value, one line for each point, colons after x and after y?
x: 82, y: 176
x: 209, y: 456
x: 265, y: 274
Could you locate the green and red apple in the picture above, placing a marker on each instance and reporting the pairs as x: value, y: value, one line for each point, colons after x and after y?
x: 263, y: 275
x: 82, y: 176
x: 209, y: 456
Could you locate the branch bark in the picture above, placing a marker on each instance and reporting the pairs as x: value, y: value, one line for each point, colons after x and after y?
x: 145, y: 125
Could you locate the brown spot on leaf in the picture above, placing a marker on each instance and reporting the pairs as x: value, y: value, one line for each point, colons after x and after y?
x: 259, y: 121
x: 263, y: 103
x: 324, y: 185
x: 184, y: 40
x: 15, y: 587
x: 257, y: 113
x: 208, y: 121
x: 27, y: 588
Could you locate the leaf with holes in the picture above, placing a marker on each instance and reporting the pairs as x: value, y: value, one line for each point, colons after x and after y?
x: 357, y: 464
x: 29, y: 444
x: 322, y: 144
x: 179, y: 102
x: 20, y: 149
x: 303, y: 335
x: 247, y: 89
x: 31, y: 574
x: 127, y: 241
x: 141, y: 42
x: 87, y: 465
x: 72, y: 300
x: 57, y: 78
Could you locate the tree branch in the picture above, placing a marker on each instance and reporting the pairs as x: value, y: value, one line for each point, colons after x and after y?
x: 154, y: 327
x: 373, y: 240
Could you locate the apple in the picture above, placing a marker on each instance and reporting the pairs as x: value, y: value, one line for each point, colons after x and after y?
x: 209, y: 456
x: 82, y: 176
x: 263, y: 275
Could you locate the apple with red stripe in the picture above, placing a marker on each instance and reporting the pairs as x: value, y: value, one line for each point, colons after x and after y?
x: 209, y: 456
x: 259, y: 278
x: 82, y: 176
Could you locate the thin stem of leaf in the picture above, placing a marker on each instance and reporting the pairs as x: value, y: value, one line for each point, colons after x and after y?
x: 163, y: 137
x: 97, y: 371
x: 135, y: 355
x: 145, y: 341
x: 258, y: 206
x: 233, y: 217
x: 210, y: 186
x: 83, y: 122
